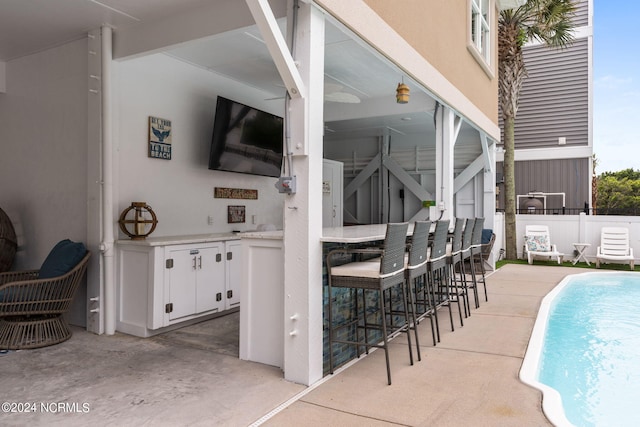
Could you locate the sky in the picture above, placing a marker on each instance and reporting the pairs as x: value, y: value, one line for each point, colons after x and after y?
x: 616, y: 85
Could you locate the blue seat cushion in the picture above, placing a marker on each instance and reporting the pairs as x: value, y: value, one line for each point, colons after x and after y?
x: 63, y: 257
x: 486, y: 235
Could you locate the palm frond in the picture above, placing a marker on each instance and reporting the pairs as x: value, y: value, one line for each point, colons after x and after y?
x: 550, y: 21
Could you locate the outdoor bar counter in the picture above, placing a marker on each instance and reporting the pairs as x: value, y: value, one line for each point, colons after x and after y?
x: 261, y: 319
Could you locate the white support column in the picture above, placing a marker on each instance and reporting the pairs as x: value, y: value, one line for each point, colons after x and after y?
x: 434, y: 212
x: 303, y: 210
x: 447, y: 128
x: 95, y: 275
x: 384, y: 181
x: 489, y: 202
x: 106, y: 247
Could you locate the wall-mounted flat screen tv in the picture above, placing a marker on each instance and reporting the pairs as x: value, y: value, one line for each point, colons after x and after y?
x: 246, y: 140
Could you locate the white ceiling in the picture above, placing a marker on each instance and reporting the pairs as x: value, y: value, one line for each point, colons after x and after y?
x: 351, y: 68
x: 352, y: 72
x: 30, y: 26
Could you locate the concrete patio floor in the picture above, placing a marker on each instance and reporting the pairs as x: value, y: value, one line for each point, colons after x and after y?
x: 192, y: 376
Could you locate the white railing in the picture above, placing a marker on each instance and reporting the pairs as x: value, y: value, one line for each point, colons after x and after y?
x: 565, y: 230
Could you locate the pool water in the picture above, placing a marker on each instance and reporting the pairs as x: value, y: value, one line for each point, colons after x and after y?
x: 590, y: 352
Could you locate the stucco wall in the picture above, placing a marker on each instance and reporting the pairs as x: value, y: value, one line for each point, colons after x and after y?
x: 436, y: 29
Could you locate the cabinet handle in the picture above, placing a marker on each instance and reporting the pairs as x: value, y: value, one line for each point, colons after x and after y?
x: 200, y: 262
x: 229, y: 256
x: 194, y: 263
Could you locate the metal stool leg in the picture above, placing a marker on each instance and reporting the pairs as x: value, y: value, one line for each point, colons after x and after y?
x: 385, y: 337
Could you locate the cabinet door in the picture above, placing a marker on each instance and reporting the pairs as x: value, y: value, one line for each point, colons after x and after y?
x: 210, y: 278
x: 233, y: 273
x: 182, y: 282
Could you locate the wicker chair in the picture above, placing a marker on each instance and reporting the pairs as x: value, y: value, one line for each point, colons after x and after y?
x: 487, y: 247
x: 8, y: 242
x: 31, y: 309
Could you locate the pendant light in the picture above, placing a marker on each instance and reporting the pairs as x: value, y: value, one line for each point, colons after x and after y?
x: 402, y: 93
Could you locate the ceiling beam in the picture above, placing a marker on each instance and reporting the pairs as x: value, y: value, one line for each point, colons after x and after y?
x: 362, y: 177
x: 482, y: 162
x: 488, y: 166
x: 468, y: 173
x: 277, y: 46
x: 406, y: 179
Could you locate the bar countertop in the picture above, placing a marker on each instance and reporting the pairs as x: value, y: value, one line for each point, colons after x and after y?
x: 354, y: 233
x: 349, y: 234
x: 180, y: 240
x: 359, y: 233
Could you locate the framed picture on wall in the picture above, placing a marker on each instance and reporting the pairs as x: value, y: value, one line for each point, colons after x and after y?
x: 235, y: 214
x: 159, y: 138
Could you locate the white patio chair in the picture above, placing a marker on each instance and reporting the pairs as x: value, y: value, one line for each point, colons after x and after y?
x: 537, y: 243
x: 614, y: 246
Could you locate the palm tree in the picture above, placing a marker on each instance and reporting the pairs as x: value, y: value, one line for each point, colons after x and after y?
x: 548, y: 21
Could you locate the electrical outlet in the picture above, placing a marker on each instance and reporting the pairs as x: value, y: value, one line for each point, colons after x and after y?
x: 210, y: 220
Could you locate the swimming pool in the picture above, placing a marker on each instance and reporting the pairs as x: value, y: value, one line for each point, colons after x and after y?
x: 584, y: 351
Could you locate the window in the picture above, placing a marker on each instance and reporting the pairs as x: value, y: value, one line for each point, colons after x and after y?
x: 480, y: 30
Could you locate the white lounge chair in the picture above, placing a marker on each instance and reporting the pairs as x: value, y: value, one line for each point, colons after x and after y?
x: 538, y: 243
x: 614, y: 246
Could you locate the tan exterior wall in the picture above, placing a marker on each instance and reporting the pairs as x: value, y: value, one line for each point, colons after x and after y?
x: 439, y: 31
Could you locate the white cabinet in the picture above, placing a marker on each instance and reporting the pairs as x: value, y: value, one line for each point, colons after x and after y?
x: 194, y: 279
x: 165, y: 282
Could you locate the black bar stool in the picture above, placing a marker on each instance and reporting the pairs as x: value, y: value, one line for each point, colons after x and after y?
x: 454, y: 258
x: 378, y: 274
x: 438, y: 277
x: 466, y: 256
x: 420, y: 300
x: 477, y: 256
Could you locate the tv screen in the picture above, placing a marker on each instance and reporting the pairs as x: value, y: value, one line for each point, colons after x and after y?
x: 246, y: 140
